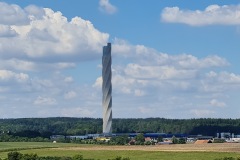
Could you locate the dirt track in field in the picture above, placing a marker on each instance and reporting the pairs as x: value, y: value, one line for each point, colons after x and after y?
x: 212, y: 147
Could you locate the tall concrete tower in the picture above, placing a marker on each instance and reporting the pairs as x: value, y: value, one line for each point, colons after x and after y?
x: 107, y: 89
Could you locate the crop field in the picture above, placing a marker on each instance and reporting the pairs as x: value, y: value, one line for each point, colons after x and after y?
x: 102, y: 152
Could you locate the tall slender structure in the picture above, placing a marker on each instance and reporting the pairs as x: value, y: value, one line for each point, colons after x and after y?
x: 107, y: 89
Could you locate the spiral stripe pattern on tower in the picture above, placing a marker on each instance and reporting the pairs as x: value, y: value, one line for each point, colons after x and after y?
x: 107, y: 89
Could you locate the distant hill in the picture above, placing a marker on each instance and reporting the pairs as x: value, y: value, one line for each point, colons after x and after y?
x: 80, y: 126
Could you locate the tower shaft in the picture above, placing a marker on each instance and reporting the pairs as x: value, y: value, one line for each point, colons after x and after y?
x: 107, y: 89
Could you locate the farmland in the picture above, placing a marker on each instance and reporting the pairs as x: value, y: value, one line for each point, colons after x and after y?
x: 102, y: 152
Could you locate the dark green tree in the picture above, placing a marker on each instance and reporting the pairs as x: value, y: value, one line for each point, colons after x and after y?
x: 160, y: 139
x: 14, y: 156
x: 119, y: 140
x: 182, y: 141
x: 140, y: 137
x: 174, y: 140
x: 77, y: 157
x: 29, y: 157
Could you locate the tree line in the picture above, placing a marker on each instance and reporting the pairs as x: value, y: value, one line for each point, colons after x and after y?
x: 45, y: 127
x: 19, y: 156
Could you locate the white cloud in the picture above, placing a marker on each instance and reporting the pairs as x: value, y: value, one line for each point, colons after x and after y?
x: 149, y: 56
x: 139, y: 71
x: 36, y: 49
x: 27, y: 65
x: 45, y: 101
x: 40, y: 38
x: 126, y: 90
x: 12, y: 14
x: 106, y: 6
x: 7, y: 31
x: 159, y: 72
x: 34, y: 12
x: 139, y: 93
x: 68, y: 79
x: 77, y: 112
x: 189, y: 61
x: 6, y: 75
x: 145, y: 110
x: 216, y: 103
x: 70, y: 95
x: 16, y: 64
x: 143, y: 76
x: 229, y: 78
x: 202, y: 113
x: 98, y: 83
x: 212, y: 15
x: 220, y: 82
x: 149, y: 67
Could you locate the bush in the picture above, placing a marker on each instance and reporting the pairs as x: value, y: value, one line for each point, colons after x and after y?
x: 20, y: 156
x: 181, y: 141
x: 14, y: 156
x: 77, y: 157
x: 29, y: 157
x: 174, y: 140
x: 140, y: 137
x: 120, y: 158
x: 119, y: 140
x: 226, y: 158
x: 148, y: 143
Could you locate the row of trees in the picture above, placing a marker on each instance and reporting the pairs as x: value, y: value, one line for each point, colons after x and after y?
x: 228, y: 158
x: 11, y: 138
x: 125, y: 140
x: 44, y: 127
x: 20, y: 156
x: 140, y: 140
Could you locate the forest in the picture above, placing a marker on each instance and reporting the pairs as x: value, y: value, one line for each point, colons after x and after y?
x: 45, y: 127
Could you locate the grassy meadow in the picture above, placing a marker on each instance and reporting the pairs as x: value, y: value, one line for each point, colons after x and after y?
x: 99, y: 152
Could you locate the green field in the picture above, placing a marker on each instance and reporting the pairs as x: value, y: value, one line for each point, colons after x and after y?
x: 60, y: 149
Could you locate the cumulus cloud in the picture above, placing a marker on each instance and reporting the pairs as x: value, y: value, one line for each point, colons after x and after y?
x: 42, y: 38
x: 139, y: 93
x: 6, y: 75
x: 41, y: 43
x: 12, y: 14
x: 145, y: 110
x: 224, y: 77
x: 106, y: 6
x: 146, y: 69
x: 68, y: 79
x: 70, y: 95
x: 150, y: 67
x: 153, y: 70
x: 216, y: 103
x: 146, y: 77
x: 16, y: 64
x: 45, y: 101
x: 98, y: 83
x: 146, y: 56
x: 220, y: 82
x: 158, y: 72
x: 7, y: 31
x: 78, y: 112
x: 202, y: 113
x: 212, y: 15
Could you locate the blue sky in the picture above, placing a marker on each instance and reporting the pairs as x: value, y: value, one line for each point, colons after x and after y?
x: 171, y: 59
